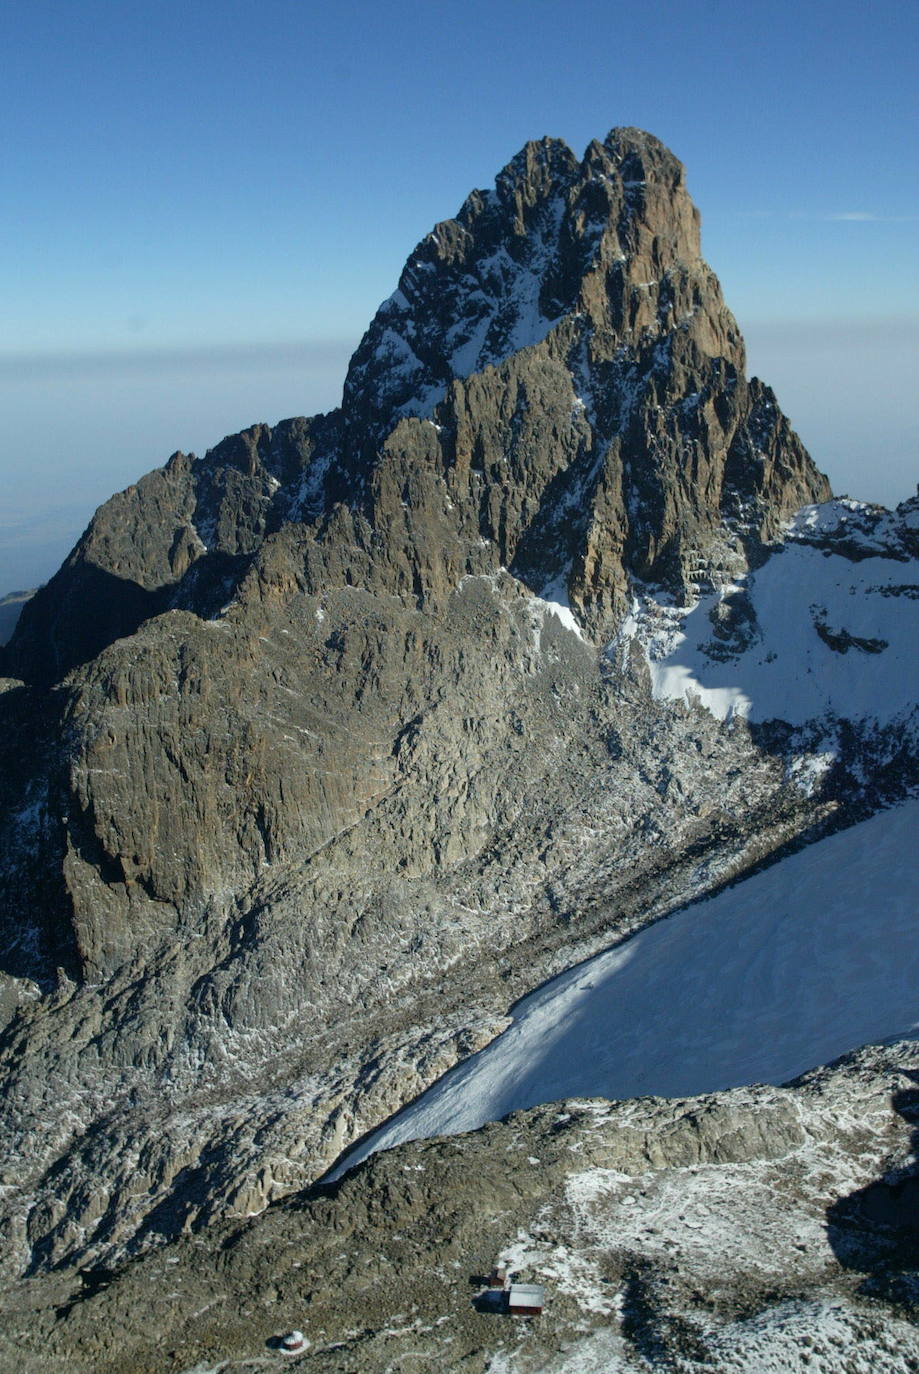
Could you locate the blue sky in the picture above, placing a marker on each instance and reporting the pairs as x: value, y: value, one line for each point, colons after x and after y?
x: 202, y: 205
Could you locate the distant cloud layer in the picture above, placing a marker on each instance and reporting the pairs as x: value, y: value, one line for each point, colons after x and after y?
x: 835, y: 217
x: 848, y: 388
x: 868, y: 217
x: 317, y: 357
x: 79, y: 427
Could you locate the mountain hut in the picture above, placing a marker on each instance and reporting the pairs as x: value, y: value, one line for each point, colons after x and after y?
x: 526, y: 1299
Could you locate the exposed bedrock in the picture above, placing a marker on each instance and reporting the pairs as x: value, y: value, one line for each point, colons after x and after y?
x: 316, y: 757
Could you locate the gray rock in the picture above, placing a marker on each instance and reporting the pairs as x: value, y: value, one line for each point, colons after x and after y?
x: 303, y: 783
x: 717, y: 1232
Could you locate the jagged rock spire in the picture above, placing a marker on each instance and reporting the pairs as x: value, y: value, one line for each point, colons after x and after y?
x: 593, y: 421
x: 586, y: 377
x: 555, y: 238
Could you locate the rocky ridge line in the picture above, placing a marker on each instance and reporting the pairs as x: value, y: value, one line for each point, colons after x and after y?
x: 310, y: 754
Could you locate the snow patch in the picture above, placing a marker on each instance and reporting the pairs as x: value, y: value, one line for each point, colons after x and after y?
x: 814, y: 956
x: 807, y: 771
x: 809, y: 635
x: 554, y: 601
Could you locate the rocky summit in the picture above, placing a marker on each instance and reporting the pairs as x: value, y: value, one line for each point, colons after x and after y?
x: 322, y: 750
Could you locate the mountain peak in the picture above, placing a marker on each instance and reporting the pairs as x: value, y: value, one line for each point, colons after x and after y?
x: 518, y: 259
x: 541, y: 164
x: 582, y: 281
x: 590, y: 419
x: 342, y: 753
x: 639, y: 155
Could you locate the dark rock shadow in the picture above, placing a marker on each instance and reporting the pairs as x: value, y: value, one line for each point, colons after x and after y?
x: 875, y: 1230
x: 491, y: 1301
x: 94, y: 1279
x: 36, y: 931
x: 651, y: 1326
x: 84, y: 609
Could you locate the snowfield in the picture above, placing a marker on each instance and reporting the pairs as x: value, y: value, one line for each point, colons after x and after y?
x: 814, y: 633
x: 782, y: 972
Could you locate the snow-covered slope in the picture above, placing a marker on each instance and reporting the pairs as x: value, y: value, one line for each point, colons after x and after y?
x: 802, y: 962
x: 828, y: 627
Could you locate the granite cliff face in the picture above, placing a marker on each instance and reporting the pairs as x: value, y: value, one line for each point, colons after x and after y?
x: 588, y: 416
x: 320, y: 750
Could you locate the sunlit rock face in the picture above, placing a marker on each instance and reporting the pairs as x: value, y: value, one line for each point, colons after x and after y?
x: 588, y: 414
x: 320, y: 750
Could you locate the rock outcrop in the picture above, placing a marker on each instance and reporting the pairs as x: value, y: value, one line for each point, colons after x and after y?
x: 10, y: 610
x: 314, y: 755
x: 731, y: 1232
x: 587, y: 407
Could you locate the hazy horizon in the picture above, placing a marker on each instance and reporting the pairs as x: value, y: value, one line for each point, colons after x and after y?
x: 107, y: 418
